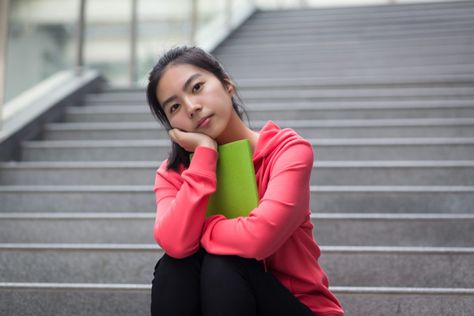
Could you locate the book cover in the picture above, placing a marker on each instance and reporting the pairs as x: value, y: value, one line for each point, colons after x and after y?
x: 236, y: 193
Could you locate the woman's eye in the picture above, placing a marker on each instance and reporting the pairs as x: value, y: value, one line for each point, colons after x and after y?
x: 174, y: 107
x: 197, y: 87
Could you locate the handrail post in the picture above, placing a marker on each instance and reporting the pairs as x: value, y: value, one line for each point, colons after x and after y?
x: 193, y: 22
x: 80, y: 37
x: 3, y: 53
x: 132, y: 65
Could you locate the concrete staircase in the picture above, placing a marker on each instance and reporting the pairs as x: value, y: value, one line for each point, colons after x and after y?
x: 385, y: 94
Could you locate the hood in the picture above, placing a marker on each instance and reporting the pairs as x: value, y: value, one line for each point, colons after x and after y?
x: 271, y: 137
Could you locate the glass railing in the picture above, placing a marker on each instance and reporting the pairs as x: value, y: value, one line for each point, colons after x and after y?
x: 40, y: 42
x: 42, y: 37
x: 121, y: 39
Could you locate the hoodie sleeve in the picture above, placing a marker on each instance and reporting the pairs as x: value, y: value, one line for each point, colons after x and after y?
x: 283, y: 207
x: 181, y: 202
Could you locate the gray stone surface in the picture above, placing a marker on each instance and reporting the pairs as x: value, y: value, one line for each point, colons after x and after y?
x: 324, y: 173
x: 362, y: 199
x: 320, y: 110
x: 366, y: 129
x: 372, y: 229
x: 345, y: 266
x: 385, y: 93
x: 324, y: 149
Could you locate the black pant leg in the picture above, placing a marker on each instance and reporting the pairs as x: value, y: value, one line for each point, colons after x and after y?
x: 225, y: 288
x: 176, y: 286
x: 273, y: 297
x: 231, y: 285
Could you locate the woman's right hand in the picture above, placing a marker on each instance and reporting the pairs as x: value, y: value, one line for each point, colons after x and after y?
x: 190, y: 141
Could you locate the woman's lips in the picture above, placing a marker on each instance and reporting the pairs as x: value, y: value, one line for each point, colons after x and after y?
x: 204, y: 121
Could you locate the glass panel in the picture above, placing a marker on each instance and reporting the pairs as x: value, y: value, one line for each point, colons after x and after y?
x: 209, y: 11
x: 162, y: 24
x: 41, y: 41
x: 107, y: 39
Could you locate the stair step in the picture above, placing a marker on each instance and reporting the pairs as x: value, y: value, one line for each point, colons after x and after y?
x: 231, y: 49
x: 360, y: 301
x: 288, y: 37
x: 359, y: 199
x: 352, y: 50
x: 406, y: 65
x: 359, y: 229
x: 324, y: 173
x: 369, y: 58
x: 138, y: 93
x: 324, y: 149
x: 125, y: 263
x: 324, y: 110
x: 298, y: 94
x: 44, y: 299
x: 344, y: 13
x: 454, y: 127
x: 92, y: 299
x: 355, y: 28
x: 332, y: 71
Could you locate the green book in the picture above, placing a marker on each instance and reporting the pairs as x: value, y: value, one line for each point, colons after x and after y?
x: 236, y: 193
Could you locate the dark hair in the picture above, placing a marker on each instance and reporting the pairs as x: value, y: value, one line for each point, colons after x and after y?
x: 193, y: 56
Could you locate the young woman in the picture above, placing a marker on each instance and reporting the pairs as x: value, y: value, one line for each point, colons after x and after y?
x: 262, y: 264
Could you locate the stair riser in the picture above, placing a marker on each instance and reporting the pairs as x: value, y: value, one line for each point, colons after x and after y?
x: 292, y: 115
x: 46, y: 302
x: 324, y: 65
x: 328, y: 232
x: 270, y: 36
x: 342, y: 50
x: 322, y: 152
x: 369, y: 61
x: 382, y: 44
x: 308, y: 132
x: 320, y: 176
x: 301, y: 30
x: 298, y: 94
x: 366, y: 85
x: 343, y: 268
x: 366, y: 14
x: 33, y: 302
x: 331, y: 71
x: 140, y: 201
x: 405, y: 304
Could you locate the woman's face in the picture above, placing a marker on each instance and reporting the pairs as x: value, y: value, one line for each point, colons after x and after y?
x: 194, y: 100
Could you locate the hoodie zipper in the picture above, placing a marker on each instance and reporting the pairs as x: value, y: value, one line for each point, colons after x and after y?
x: 265, y: 265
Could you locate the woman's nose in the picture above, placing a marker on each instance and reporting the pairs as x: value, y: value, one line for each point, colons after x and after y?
x: 193, y: 107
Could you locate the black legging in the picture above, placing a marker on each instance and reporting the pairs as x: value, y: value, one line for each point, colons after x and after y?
x: 210, y: 285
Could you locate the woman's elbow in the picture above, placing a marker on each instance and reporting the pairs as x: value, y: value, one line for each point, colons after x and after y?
x: 173, y: 247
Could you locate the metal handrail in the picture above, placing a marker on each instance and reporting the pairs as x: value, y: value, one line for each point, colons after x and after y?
x: 132, y: 64
x: 3, y: 52
x: 81, y: 23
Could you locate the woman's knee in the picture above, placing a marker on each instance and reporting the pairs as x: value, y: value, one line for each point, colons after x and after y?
x: 184, y: 267
x: 176, y: 286
x: 220, y: 268
x: 225, y: 286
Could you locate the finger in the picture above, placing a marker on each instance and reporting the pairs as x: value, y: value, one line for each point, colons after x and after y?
x: 172, y: 134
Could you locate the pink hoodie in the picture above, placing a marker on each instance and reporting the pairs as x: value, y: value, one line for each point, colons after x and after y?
x: 277, y: 232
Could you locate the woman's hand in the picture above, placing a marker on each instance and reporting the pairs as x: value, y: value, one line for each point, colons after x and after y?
x: 189, y: 141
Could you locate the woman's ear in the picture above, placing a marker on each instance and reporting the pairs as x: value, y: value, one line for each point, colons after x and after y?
x: 229, y: 86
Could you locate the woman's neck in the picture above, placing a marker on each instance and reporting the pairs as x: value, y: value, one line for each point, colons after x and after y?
x: 237, y: 130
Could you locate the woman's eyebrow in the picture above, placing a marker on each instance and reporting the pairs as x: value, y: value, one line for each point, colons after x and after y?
x: 185, y: 86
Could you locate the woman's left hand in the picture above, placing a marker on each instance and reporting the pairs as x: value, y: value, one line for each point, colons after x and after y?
x: 189, y: 140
